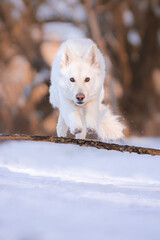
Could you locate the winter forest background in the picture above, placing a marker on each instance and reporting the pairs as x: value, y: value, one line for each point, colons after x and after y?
x: 128, y: 34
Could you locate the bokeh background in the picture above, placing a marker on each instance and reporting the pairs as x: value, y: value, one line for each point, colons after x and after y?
x: 126, y: 31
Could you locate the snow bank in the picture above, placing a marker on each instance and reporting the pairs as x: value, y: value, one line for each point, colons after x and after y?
x: 55, y: 191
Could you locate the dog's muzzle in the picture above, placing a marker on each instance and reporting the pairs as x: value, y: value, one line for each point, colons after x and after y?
x: 80, y: 98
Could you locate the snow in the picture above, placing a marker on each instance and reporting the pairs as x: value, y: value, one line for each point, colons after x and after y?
x: 70, y: 9
x: 58, y: 191
x: 61, y: 31
x: 134, y: 37
x: 128, y: 18
x: 15, y: 13
x: 18, y: 4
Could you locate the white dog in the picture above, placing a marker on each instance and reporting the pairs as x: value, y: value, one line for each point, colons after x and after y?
x: 77, y: 79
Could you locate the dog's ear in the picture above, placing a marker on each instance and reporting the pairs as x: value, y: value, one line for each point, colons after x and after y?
x: 92, y: 56
x: 67, y: 56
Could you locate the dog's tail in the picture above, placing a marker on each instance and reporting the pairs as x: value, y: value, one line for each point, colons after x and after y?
x: 110, y: 128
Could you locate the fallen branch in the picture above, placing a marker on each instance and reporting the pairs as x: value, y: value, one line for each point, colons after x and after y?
x: 87, y: 143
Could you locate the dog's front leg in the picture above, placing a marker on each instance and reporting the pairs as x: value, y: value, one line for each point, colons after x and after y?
x: 75, y: 123
x: 72, y: 117
x: 61, y: 127
x: 91, y: 116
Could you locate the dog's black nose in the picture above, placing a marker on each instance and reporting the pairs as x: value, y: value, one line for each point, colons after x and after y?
x: 80, y: 97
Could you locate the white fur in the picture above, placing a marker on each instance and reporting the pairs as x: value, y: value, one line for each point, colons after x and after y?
x: 79, y: 59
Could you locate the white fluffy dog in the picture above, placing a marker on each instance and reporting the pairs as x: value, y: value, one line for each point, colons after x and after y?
x: 77, y: 90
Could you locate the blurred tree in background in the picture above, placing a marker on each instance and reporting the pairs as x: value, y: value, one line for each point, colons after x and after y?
x: 126, y: 31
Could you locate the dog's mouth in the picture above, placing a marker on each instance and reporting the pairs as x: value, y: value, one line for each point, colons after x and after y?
x: 79, y: 103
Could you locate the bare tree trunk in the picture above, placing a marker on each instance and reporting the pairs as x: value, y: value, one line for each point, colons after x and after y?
x: 97, y: 37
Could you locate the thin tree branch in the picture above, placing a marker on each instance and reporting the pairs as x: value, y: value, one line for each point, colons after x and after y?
x: 87, y: 143
x: 94, y: 26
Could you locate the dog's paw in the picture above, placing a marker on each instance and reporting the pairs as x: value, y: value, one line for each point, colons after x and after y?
x: 91, y: 125
x: 77, y: 131
x: 91, y: 131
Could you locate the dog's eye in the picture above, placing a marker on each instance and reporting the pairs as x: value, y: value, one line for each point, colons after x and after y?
x: 87, y: 79
x: 72, y: 79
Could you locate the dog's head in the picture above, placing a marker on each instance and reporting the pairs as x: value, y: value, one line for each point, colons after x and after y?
x: 82, y: 75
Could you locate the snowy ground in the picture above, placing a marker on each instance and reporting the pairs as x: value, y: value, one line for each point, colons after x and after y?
x: 62, y: 192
